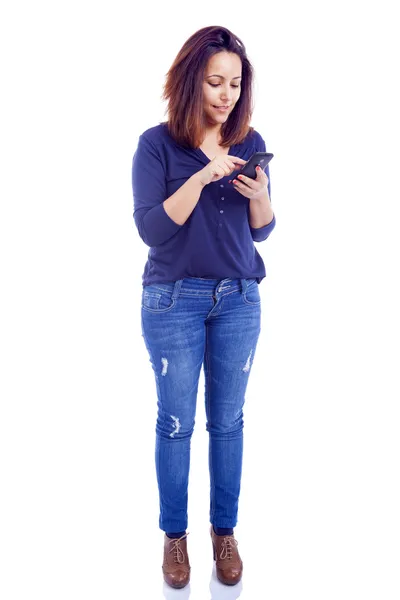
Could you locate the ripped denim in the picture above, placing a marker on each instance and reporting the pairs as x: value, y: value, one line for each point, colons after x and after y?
x: 187, y: 324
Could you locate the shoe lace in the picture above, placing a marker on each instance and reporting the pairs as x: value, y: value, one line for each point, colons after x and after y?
x: 227, y: 547
x: 179, y: 556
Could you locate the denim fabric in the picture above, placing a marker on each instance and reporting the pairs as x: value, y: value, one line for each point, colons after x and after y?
x: 185, y: 324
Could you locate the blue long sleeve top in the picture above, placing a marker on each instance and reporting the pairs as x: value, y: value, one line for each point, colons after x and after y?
x: 217, y: 240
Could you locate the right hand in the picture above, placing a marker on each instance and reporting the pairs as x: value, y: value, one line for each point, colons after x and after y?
x: 220, y: 166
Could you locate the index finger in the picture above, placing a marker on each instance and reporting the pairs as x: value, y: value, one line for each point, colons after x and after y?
x: 237, y: 160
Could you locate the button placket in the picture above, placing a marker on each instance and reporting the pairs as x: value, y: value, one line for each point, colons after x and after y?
x: 221, y: 185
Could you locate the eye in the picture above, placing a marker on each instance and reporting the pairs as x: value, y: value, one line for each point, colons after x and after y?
x: 217, y: 84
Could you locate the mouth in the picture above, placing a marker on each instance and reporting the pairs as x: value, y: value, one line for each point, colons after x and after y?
x: 222, y: 108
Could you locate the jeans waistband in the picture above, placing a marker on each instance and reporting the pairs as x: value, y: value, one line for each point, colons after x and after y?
x: 202, y: 286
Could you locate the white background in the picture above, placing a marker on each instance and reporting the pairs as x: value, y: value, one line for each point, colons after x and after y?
x: 319, y: 514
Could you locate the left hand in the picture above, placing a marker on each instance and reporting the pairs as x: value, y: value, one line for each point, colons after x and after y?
x: 254, y: 189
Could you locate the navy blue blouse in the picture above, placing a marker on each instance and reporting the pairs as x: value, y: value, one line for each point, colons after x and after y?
x: 216, y: 241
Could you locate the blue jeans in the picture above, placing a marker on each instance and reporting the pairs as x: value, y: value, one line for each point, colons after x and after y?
x: 186, y: 323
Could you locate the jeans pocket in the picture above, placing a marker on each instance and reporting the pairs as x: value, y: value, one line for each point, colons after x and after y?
x: 252, y: 295
x: 155, y: 299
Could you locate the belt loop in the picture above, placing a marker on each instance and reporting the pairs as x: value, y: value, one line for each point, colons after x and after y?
x: 220, y: 286
x: 177, y: 288
x: 244, y: 285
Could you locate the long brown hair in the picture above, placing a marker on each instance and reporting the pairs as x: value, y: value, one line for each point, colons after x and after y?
x: 183, y: 89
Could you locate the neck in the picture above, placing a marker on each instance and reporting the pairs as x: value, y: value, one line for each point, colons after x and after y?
x: 213, y: 133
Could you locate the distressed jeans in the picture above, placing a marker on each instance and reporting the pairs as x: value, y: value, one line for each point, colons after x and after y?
x: 187, y: 324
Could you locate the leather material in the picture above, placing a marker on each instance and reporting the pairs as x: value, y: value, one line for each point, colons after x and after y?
x: 229, y: 565
x: 176, y: 566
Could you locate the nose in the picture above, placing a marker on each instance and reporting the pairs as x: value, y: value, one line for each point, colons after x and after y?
x: 226, y: 96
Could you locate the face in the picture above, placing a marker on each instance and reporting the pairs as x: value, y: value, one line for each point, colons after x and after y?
x: 221, y: 86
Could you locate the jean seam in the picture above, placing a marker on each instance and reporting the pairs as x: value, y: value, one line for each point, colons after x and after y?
x: 208, y: 415
x: 159, y: 310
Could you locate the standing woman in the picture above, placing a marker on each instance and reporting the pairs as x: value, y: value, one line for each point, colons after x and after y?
x: 200, y: 299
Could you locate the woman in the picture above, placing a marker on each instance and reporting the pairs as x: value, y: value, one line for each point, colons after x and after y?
x: 200, y: 301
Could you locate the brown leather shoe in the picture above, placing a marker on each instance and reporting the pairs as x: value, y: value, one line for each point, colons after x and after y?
x: 176, y: 567
x: 228, y: 562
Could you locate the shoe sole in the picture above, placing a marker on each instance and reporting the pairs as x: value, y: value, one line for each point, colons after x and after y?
x: 176, y: 587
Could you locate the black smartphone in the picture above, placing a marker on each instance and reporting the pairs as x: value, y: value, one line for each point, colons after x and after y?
x: 258, y: 158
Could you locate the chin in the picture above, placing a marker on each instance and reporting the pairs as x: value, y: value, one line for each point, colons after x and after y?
x: 218, y: 116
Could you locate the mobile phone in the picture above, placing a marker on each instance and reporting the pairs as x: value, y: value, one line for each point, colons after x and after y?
x: 258, y: 158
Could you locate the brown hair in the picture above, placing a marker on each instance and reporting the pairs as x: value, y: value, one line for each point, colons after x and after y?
x: 183, y: 89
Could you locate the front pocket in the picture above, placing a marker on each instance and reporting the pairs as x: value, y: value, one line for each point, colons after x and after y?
x: 157, y: 301
x: 252, y: 295
x: 150, y: 300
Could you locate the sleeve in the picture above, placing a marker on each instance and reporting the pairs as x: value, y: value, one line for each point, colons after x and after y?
x: 261, y: 233
x: 149, y: 188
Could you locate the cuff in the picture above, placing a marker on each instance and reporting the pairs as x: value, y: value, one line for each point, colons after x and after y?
x: 261, y: 233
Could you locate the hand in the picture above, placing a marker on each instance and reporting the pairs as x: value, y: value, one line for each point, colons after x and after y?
x: 220, y: 166
x: 254, y: 189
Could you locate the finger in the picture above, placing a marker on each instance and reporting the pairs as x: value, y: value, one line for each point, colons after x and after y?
x: 227, y: 167
x: 234, y: 172
x: 247, y: 180
x: 218, y: 171
x: 262, y: 174
x: 237, y: 160
x: 242, y: 188
x: 238, y: 169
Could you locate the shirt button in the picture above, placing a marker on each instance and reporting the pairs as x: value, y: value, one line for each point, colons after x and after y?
x: 221, y: 185
x: 221, y: 211
x: 222, y: 198
x: 220, y: 224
